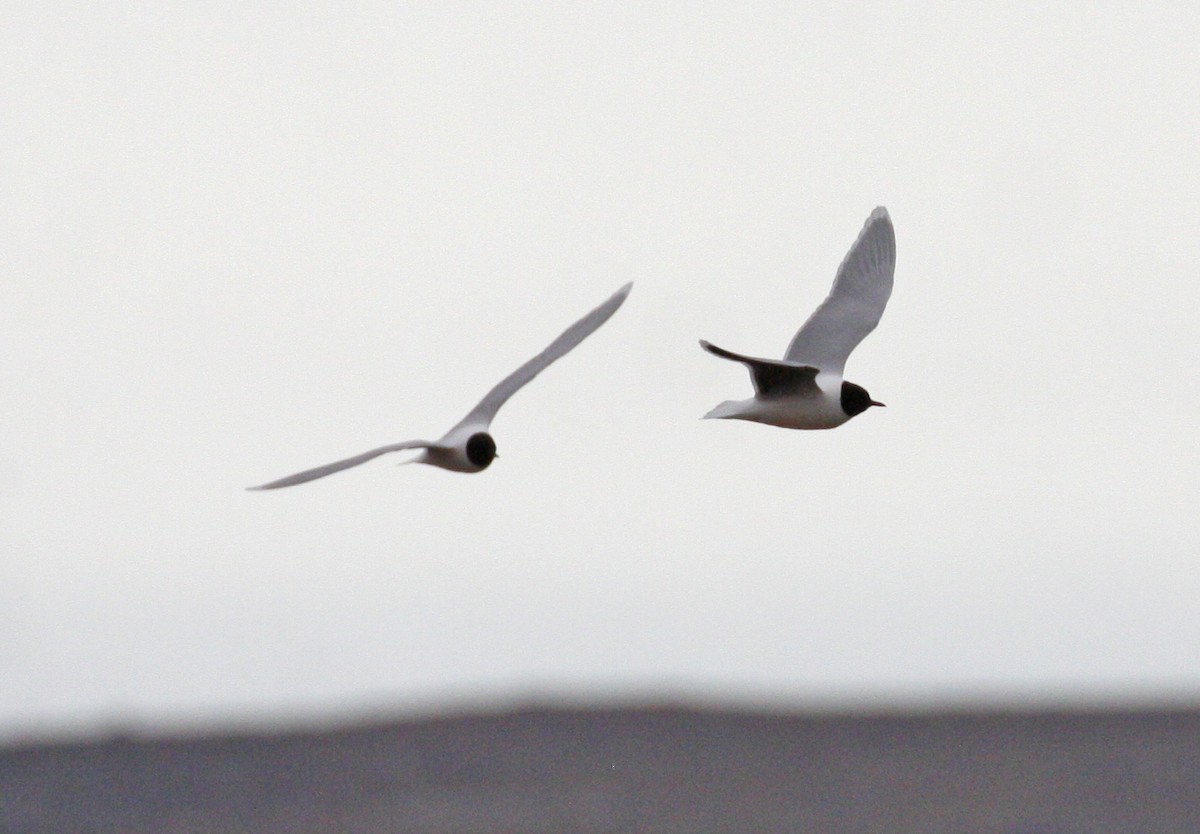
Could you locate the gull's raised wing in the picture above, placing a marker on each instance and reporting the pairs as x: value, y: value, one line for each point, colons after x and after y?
x: 855, y: 304
x: 338, y: 466
x: 482, y: 414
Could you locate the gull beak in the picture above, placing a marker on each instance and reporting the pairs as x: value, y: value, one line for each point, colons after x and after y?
x: 883, y: 405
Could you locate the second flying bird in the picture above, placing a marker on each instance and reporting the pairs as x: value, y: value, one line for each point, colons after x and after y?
x: 469, y: 447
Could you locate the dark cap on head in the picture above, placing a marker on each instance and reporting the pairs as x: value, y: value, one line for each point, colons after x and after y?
x: 855, y: 399
x: 481, y: 449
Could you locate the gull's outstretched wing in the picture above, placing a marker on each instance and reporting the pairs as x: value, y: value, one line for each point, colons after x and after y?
x: 860, y: 293
x: 338, y: 466
x: 771, y: 377
x: 482, y: 414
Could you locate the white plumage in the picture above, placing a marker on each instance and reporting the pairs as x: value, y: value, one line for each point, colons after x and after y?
x: 806, y: 390
x: 468, y: 447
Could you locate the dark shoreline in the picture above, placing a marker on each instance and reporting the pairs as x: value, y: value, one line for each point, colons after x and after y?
x: 653, y: 769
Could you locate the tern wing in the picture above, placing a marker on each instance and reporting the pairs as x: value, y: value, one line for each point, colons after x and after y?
x: 482, y: 414
x: 771, y: 377
x: 338, y: 466
x: 855, y: 304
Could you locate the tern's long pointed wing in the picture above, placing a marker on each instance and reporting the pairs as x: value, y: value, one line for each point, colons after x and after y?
x: 860, y: 293
x: 338, y: 466
x: 483, y: 413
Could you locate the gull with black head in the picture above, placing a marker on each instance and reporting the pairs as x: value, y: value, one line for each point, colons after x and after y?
x: 806, y: 389
x: 469, y: 447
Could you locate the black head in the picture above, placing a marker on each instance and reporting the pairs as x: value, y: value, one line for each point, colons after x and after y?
x: 481, y: 449
x: 855, y: 399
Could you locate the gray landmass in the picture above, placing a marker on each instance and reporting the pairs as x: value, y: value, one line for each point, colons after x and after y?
x: 669, y: 770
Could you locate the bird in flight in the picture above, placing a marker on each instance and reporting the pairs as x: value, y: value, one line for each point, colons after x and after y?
x: 468, y: 447
x: 806, y: 389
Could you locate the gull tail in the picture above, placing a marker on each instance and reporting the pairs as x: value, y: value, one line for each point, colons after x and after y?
x: 730, y: 409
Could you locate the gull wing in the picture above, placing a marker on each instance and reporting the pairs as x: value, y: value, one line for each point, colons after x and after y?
x: 482, y: 414
x: 855, y: 304
x: 771, y: 377
x: 338, y: 466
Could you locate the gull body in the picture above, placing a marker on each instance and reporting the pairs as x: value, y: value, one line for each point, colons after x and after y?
x: 820, y: 409
x: 806, y: 389
x: 469, y: 446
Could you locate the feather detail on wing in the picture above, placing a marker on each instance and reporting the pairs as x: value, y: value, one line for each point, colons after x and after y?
x: 855, y: 303
x: 338, y: 466
x: 483, y: 413
x: 771, y: 377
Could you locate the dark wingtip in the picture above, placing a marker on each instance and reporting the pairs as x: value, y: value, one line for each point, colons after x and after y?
x: 720, y: 351
x: 270, y: 485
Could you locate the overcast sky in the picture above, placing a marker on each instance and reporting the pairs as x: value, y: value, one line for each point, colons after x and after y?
x: 244, y: 239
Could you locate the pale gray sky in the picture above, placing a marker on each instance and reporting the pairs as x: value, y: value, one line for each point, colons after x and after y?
x: 244, y: 240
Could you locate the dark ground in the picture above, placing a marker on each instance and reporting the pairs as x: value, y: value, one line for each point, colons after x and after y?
x: 666, y: 770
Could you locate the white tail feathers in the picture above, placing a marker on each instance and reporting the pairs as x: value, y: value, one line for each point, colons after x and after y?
x: 726, y: 410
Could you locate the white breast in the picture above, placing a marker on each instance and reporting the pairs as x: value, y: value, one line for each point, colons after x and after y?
x: 821, y: 411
